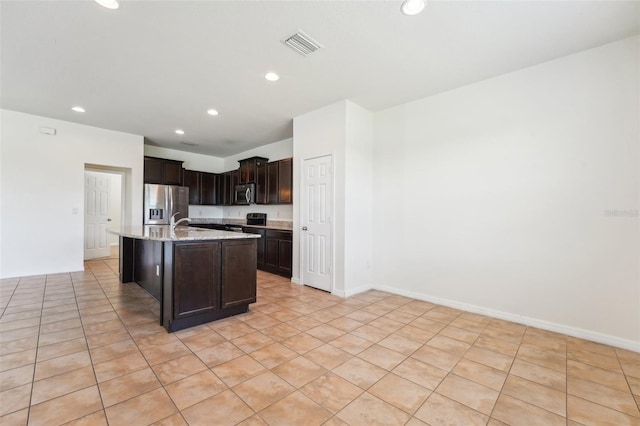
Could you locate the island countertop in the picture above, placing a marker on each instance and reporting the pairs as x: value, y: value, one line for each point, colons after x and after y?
x: 181, y: 233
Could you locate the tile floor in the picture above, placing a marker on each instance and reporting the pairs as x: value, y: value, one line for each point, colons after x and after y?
x: 83, y: 349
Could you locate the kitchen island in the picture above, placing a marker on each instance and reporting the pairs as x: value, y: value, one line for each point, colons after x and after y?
x: 197, y: 275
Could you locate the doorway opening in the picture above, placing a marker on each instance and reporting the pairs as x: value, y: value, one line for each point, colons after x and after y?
x: 104, y: 208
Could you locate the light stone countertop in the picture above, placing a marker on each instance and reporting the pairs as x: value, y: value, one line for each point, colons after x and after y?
x: 181, y: 233
x: 284, y: 225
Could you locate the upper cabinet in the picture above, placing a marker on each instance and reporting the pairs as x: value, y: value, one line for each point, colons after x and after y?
x: 202, y: 186
x: 274, y: 185
x: 161, y: 171
x: 248, y: 169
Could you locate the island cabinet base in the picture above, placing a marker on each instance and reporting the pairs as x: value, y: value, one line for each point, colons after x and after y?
x: 195, y: 282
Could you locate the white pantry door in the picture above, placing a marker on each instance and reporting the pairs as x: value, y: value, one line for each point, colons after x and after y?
x: 96, y: 215
x: 315, y: 236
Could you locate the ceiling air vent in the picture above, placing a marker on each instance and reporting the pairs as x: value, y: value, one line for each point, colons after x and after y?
x: 302, y: 43
x: 188, y: 143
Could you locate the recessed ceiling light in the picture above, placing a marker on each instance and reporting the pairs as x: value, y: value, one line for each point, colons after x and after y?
x: 412, y: 7
x: 272, y: 76
x: 179, y: 131
x: 212, y: 111
x: 78, y: 109
x: 109, y: 4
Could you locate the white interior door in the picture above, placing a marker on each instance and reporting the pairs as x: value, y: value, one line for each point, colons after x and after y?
x: 96, y: 215
x: 316, y: 222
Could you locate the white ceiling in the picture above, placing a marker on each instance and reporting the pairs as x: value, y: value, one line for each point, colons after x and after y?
x: 154, y: 66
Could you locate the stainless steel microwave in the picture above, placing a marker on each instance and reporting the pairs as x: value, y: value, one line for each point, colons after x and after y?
x: 245, y: 194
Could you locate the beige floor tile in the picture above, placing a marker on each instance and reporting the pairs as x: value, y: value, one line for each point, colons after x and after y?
x: 226, y: 408
x: 195, y: 388
x: 512, y: 411
x: 142, y: 410
x: 400, y: 392
x: 325, y: 332
x: 99, y: 418
x: 129, y: 386
x: 608, y: 378
x: 303, y: 323
x: 178, y: 368
x: 351, y: 343
x: 328, y: 356
x: 18, y: 345
x: 439, y: 410
x: 542, y: 375
x: 203, y: 341
x: 119, y: 367
x: 295, y: 409
x: 66, y: 408
x: 235, y: 330
x: 436, y: 357
x: 273, y: 355
x: 280, y: 332
x: 299, y: 371
x: 17, y: 359
x: 423, y: 374
x: 173, y: 420
x: 536, y: 394
x: 360, y: 372
x: 15, y: 399
x: 219, y: 354
x: 163, y: 353
x: 17, y: 418
x: 113, y: 350
x: 62, y: 384
x: 480, y: 373
x: 147, y: 341
x: 252, y: 342
x: 16, y: 377
x: 302, y: 343
x: 238, y: 370
x: 62, y: 364
x: 496, y: 345
x: 62, y: 348
x: 469, y: 393
x: 345, y: 324
x: 466, y: 336
x: 254, y: 420
x: 370, y: 333
x: 449, y: 345
x: 263, y: 390
x: 369, y: 410
x: 331, y: 391
x: 591, y: 414
x: 603, y: 395
x: 382, y: 357
x: 489, y: 358
x: 107, y: 338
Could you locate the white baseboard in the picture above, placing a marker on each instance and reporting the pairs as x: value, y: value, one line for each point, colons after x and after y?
x: 296, y: 280
x: 533, y: 322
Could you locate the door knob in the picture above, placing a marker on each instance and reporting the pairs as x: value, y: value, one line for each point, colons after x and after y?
x: 108, y: 220
x: 304, y: 228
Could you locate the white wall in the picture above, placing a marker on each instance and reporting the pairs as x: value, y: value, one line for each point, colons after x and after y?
x: 192, y: 161
x: 273, y: 151
x: 42, y: 189
x: 315, y: 134
x: 344, y: 131
x: 495, y: 197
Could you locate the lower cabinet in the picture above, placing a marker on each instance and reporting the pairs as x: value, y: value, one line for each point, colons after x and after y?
x: 278, y: 252
x: 238, y: 281
x: 196, y: 283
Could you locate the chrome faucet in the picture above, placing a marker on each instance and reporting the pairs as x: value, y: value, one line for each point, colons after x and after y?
x: 173, y: 222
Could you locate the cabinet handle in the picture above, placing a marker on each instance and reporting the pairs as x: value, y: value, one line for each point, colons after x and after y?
x: 304, y: 228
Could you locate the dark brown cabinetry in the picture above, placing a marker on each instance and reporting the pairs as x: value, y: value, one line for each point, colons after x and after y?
x: 162, y: 171
x: 202, y: 187
x: 260, y: 255
x: 191, y: 180
x: 285, y: 180
x: 248, y: 169
x: 238, y: 280
x: 272, y: 183
x: 261, y: 183
x: 196, y: 283
x: 278, y: 252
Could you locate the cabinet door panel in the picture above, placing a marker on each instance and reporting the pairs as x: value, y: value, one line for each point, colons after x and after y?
x: 272, y: 183
x: 196, y: 279
x: 208, y: 188
x: 191, y: 180
x: 172, y: 173
x: 153, y: 170
x: 239, y: 281
x: 285, y: 178
x: 284, y: 258
x: 261, y: 183
x: 271, y: 255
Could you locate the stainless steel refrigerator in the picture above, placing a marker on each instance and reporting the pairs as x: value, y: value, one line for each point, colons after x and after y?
x: 163, y: 201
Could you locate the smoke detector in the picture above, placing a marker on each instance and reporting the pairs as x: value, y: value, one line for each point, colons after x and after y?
x: 302, y: 43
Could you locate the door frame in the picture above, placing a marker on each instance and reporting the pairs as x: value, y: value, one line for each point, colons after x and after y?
x: 332, y: 231
x: 124, y: 196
